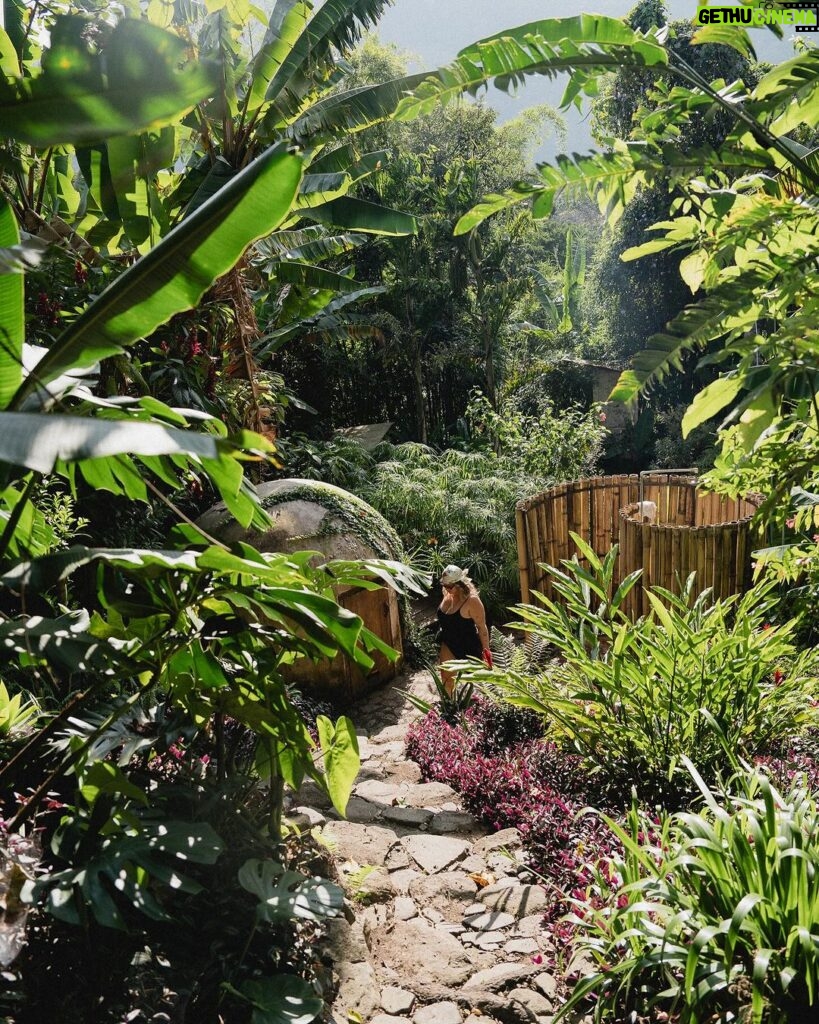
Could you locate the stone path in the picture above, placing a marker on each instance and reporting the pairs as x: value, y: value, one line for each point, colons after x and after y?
x: 443, y: 921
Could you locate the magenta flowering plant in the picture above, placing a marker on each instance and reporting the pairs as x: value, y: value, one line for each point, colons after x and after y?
x: 530, y: 785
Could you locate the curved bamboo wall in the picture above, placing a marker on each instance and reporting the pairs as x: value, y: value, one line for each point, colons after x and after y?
x: 694, y: 532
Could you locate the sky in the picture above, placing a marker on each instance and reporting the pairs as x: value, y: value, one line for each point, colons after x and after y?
x: 432, y: 32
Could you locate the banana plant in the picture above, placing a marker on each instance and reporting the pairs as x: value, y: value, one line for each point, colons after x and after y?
x: 172, y: 278
x: 744, y: 225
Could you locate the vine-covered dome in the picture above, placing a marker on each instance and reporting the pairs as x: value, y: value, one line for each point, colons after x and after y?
x: 311, y: 515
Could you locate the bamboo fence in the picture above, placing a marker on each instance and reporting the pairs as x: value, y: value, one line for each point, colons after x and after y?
x: 693, y: 532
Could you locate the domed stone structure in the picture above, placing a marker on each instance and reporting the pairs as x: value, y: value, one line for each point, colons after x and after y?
x: 309, y: 515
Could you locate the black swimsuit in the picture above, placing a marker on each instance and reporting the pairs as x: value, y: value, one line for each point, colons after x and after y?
x: 460, y: 634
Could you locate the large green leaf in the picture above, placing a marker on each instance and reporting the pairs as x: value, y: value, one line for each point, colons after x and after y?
x: 63, y: 642
x: 726, y: 311
x: 11, y: 312
x: 336, y: 26
x: 9, y: 61
x: 286, y: 24
x: 307, y: 245
x: 175, y: 275
x: 339, y: 747
x: 282, y: 999
x: 275, y: 592
x: 137, y: 79
x: 41, y: 573
x: 284, y: 894
x: 38, y: 442
x: 540, y: 47
x: 307, y: 275
x: 359, y: 215
x: 614, y: 177
x: 712, y: 399
x: 790, y: 93
x: 134, y: 161
x: 353, y: 110
x: 159, y: 849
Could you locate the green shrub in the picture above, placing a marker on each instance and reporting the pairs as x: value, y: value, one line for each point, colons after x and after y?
x: 454, y: 507
x: 711, y: 916
x: 459, y: 506
x: 545, y: 443
x: 694, y: 677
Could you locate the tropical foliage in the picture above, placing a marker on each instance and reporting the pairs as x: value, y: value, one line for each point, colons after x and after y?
x: 634, y: 698
x: 179, y: 221
x: 739, y: 221
x: 446, y: 312
x: 457, y: 506
x: 712, y: 913
x: 138, y: 655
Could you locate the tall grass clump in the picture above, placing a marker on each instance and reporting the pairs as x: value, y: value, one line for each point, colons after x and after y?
x: 695, y: 677
x: 708, y: 916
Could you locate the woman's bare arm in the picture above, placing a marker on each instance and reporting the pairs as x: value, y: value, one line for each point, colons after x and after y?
x: 477, y: 612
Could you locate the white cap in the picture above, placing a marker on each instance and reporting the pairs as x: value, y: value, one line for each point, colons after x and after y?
x: 452, y: 574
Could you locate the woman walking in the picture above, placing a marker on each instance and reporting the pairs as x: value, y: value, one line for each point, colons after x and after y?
x: 463, y: 622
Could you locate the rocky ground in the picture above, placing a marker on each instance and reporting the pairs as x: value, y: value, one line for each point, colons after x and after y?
x: 444, y: 923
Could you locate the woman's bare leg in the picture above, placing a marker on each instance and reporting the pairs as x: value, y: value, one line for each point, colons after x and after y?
x: 447, y: 678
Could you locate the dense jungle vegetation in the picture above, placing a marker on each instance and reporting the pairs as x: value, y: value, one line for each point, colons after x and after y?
x: 227, y: 235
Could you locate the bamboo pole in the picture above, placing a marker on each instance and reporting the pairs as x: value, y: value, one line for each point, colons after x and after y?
x: 685, y: 555
x: 698, y: 500
x: 628, y: 557
x: 598, y: 514
x: 562, y: 520
x: 572, y: 524
x: 702, y: 548
x: 584, y: 497
x: 743, y: 561
x: 523, y: 554
x: 658, y: 540
x: 690, y: 505
x: 648, y: 555
x: 726, y: 535
x: 676, y: 557
x: 713, y: 509
x: 733, y: 540
x: 669, y: 533
x: 715, y: 557
x: 537, y: 540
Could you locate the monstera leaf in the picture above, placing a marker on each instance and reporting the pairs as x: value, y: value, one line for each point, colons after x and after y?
x: 63, y: 642
x: 285, y: 894
x: 126, y: 864
x: 282, y: 999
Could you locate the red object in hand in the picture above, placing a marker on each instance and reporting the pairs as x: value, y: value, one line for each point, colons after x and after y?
x: 487, y: 657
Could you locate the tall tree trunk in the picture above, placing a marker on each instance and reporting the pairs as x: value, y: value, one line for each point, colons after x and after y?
x: 241, y: 364
x: 417, y: 370
x: 487, y: 335
x: 489, y: 361
x: 418, y: 391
